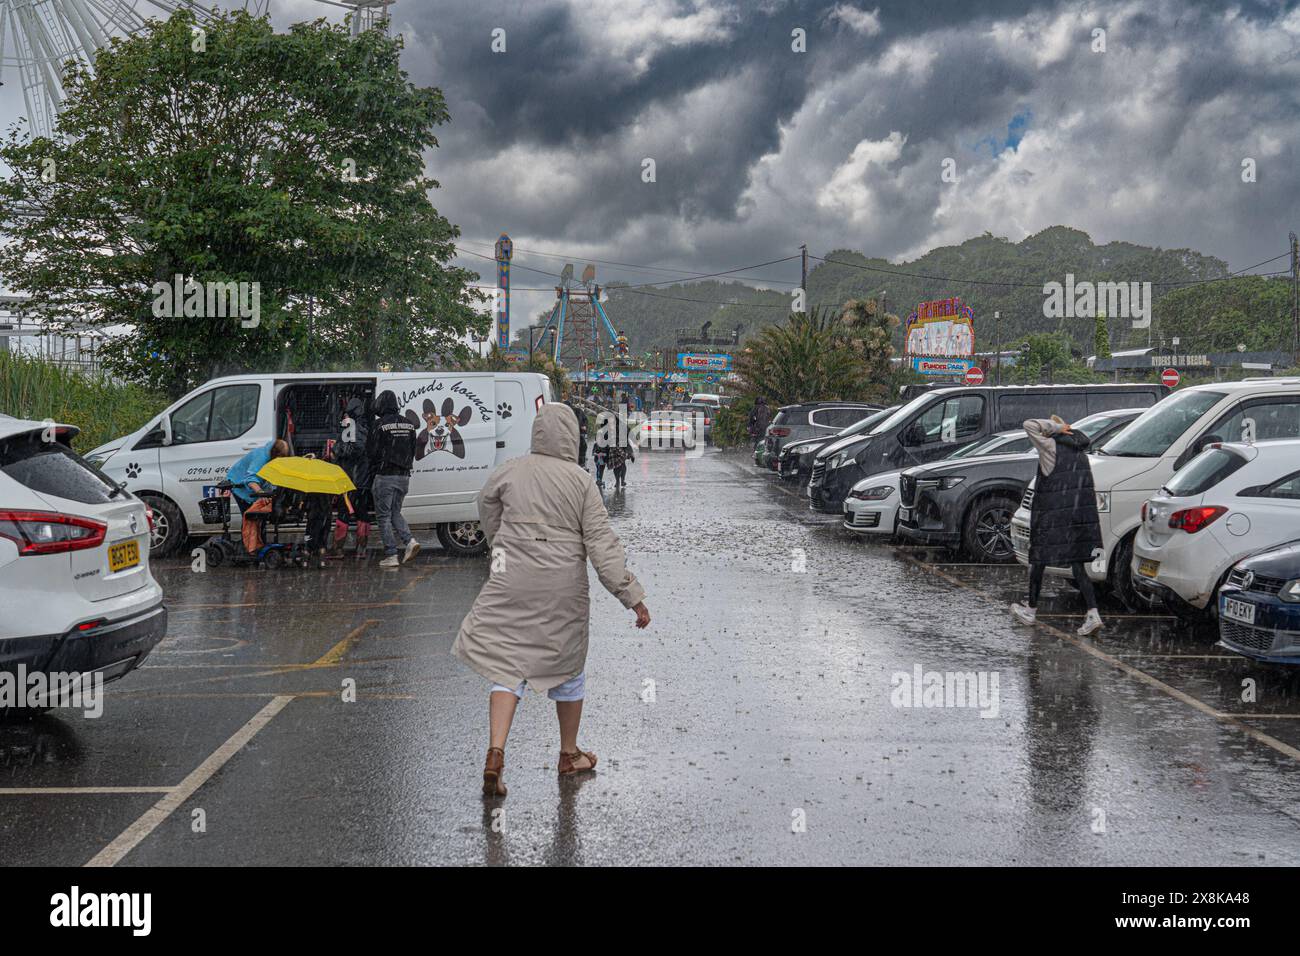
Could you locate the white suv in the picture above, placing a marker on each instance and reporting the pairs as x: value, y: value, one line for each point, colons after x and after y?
x: 1138, y: 461
x: 1229, y: 502
x: 75, y: 584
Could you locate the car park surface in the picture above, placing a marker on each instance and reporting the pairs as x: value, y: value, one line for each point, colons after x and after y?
x: 782, y: 701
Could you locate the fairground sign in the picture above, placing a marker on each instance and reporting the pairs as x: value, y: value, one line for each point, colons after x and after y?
x: 696, y: 362
x: 941, y: 329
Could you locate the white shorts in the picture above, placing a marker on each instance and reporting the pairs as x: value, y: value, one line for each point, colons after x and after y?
x: 575, y: 688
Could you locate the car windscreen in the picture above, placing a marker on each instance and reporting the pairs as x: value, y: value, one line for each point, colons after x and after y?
x: 857, y: 428
x: 904, y: 413
x: 1203, y: 472
x: 984, y: 447
x: 1151, y: 433
x: 1094, y: 425
x: 51, y: 468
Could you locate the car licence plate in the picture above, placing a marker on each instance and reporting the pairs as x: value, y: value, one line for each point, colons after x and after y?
x: 904, y: 515
x: 1148, y: 568
x: 124, y: 554
x: 1242, y: 611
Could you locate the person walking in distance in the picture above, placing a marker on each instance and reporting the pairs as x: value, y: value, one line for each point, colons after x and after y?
x: 544, y: 519
x: 760, y: 416
x: 391, y: 450
x: 1064, y: 528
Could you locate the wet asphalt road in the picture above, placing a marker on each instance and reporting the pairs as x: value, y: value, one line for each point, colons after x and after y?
x: 771, y: 737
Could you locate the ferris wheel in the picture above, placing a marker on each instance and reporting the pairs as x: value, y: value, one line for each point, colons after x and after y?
x: 37, y: 37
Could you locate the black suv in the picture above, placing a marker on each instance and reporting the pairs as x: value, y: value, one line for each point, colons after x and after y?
x: 970, y: 501
x: 936, y: 423
x: 796, y: 458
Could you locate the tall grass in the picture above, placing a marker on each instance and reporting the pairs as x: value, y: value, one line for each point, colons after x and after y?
x: 33, y: 388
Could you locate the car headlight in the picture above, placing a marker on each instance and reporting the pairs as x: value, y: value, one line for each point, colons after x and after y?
x: 97, y: 461
x: 1290, y: 591
x: 952, y: 481
x: 1103, y: 502
x: 878, y: 493
x: 836, y: 461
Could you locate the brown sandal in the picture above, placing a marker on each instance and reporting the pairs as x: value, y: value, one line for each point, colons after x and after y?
x: 567, y: 762
x: 493, y: 770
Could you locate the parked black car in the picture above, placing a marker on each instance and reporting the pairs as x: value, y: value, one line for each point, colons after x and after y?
x: 969, y: 502
x: 796, y: 458
x: 936, y: 423
x: 809, y: 420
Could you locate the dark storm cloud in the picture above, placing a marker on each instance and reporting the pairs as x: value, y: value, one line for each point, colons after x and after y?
x: 758, y: 148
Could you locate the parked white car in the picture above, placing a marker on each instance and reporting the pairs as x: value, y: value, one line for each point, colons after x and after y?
x: 872, y: 506
x: 1227, y: 503
x: 1140, y: 460
x: 75, y: 584
x: 665, y: 430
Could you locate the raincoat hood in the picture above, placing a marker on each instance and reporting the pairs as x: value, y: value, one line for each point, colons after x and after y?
x: 356, y: 408
x: 386, y: 403
x: 555, y: 432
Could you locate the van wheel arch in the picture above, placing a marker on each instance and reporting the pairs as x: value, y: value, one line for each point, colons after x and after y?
x: 168, y: 516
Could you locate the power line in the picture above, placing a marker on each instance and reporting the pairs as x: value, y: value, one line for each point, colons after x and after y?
x: 642, y: 285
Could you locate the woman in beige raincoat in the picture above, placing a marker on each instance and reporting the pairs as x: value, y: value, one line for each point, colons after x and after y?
x: 543, y: 518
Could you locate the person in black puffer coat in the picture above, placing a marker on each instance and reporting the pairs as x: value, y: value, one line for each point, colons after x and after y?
x: 1064, y: 528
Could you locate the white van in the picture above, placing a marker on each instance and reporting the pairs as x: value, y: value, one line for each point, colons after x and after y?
x: 1136, y: 463
x: 469, y: 422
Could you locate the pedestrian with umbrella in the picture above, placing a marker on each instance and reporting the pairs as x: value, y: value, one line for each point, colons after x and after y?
x: 319, y: 482
x: 544, y: 519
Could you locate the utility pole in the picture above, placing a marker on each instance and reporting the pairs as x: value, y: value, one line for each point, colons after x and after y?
x: 997, y: 345
x: 803, y: 277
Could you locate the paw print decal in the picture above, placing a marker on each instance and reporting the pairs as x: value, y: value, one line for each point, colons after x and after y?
x: 504, y: 410
x: 133, y: 470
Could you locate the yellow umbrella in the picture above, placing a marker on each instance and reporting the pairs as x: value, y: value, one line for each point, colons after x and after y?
x: 309, y: 475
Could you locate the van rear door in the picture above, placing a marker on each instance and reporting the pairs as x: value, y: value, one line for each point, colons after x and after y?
x: 456, y: 435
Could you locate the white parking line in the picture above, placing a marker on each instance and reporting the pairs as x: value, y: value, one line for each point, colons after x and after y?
x: 28, y: 791
x: 130, y: 838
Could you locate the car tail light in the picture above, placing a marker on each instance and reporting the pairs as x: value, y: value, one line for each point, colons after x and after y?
x: 1193, y: 520
x: 48, y: 532
x: 1144, y: 512
x: 780, y: 432
x: 91, y: 625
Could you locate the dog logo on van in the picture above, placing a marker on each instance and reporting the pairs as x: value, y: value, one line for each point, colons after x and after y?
x: 440, y: 428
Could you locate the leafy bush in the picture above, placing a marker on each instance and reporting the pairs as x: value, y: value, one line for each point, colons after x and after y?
x: 103, y: 409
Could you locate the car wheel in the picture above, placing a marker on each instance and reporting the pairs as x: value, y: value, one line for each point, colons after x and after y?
x: 462, y: 538
x: 987, y: 532
x: 1121, y: 578
x: 169, y: 530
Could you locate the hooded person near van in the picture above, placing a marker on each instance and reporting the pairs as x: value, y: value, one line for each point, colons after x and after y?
x: 544, y: 520
x: 1064, y: 528
x: 391, y: 450
x: 351, y: 457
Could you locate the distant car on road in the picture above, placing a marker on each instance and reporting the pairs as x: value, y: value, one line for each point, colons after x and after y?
x: 969, y: 501
x: 701, y: 414
x: 1230, y: 501
x: 665, y: 430
x: 74, y: 561
x: 1259, y: 606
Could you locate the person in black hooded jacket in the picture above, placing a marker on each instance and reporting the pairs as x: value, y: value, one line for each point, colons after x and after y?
x: 1064, y: 529
x: 391, y: 450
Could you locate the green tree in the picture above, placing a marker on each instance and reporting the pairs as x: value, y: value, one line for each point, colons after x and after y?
x: 1047, y: 356
x: 294, y: 161
x: 1101, y: 336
